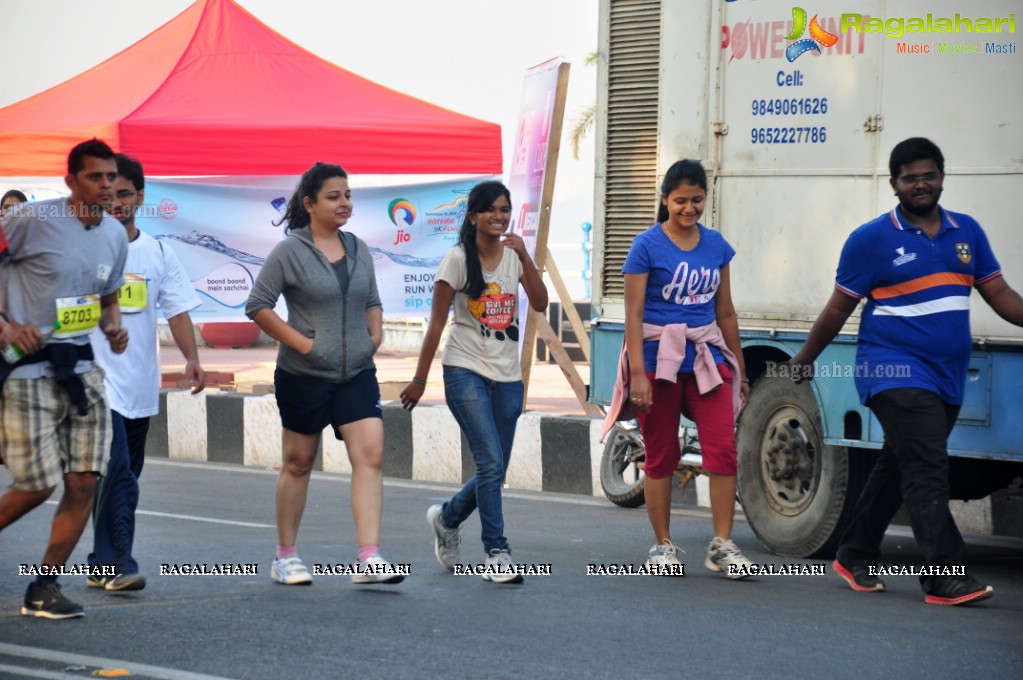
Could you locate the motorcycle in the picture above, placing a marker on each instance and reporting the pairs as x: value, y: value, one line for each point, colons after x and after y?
x: 621, y: 465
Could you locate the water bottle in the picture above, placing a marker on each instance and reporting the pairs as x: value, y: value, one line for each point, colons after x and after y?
x: 12, y: 354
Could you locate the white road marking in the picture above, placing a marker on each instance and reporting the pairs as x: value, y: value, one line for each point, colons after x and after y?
x: 193, y: 518
x: 85, y: 660
x: 20, y: 672
x: 448, y: 489
x: 536, y: 496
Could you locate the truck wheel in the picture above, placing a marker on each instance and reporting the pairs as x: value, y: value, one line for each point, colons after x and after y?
x: 796, y: 491
x: 621, y: 474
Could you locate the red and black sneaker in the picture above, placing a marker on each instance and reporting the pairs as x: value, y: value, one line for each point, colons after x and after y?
x: 858, y: 577
x: 953, y: 590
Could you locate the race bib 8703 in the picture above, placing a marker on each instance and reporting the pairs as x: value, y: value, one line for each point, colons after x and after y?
x: 76, y: 316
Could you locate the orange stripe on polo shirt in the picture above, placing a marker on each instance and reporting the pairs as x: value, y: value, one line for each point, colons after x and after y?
x: 922, y: 283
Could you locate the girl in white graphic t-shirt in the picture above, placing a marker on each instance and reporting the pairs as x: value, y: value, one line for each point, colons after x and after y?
x: 482, y: 375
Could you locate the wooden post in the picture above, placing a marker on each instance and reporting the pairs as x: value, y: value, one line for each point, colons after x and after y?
x: 544, y: 223
x: 556, y: 349
x: 569, y: 306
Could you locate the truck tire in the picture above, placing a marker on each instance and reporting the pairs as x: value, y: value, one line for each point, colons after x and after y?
x: 620, y: 476
x: 796, y: 492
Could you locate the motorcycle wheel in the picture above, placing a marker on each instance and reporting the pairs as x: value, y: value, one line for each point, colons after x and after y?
x: 620, y: 477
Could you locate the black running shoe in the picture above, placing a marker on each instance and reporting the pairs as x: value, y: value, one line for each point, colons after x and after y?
x: 858, y: 577
x: 46, y: 600
x: 953, y: 590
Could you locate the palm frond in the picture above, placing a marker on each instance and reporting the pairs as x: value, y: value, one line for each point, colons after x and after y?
x: 582, y: 126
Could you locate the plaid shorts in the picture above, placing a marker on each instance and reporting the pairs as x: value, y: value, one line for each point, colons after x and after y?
x: 42, y: 435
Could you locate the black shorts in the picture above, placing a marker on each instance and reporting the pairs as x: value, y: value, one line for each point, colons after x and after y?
x: 307, y: 405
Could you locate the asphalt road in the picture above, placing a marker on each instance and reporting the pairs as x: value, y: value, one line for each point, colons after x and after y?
x: 438, y: 625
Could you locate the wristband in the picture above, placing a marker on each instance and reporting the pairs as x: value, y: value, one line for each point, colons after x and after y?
x: 419, y: 382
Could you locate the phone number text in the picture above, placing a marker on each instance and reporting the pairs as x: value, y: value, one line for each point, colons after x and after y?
x: 807, y: 106
x: 789, y: 135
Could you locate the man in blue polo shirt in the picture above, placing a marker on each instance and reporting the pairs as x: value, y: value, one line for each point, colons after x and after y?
x: 916, y: 265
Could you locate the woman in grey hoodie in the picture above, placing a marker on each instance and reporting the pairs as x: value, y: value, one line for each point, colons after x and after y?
x: 325, y: 372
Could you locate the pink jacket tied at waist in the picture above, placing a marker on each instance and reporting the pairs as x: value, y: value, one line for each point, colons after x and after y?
x: 670, y: 354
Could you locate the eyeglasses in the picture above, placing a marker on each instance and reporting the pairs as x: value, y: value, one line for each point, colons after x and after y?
x: 910, y: 180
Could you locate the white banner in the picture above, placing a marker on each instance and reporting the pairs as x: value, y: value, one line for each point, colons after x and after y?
x: 222, y: 230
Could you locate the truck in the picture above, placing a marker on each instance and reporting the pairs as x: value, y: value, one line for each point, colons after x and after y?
x: 793, y: 111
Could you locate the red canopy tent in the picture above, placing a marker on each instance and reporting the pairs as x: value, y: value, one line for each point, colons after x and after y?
x: 214, y: 91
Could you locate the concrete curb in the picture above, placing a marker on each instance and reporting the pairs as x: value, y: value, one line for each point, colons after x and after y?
x: 552, y: 452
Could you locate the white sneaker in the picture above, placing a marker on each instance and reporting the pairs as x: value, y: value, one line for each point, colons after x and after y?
x: 722, y: 554
x: 445, y: 541
x: 290, y: 571
x: 500, y: 569
x: 377, y: 570
x: 664, y: 554
x: 663, y: 559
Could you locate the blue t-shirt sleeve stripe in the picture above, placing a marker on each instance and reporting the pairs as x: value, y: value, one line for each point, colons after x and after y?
x: 986, y: 265
x: 990, y: 277
x: 846, y: 291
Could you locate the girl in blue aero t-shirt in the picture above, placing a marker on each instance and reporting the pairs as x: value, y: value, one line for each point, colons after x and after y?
x: 677, y: 273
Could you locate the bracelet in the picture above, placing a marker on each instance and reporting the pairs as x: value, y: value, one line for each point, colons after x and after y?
x: 419, y: 382
x: 745, y: 380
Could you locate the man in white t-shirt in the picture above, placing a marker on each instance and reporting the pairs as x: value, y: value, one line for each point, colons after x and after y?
x: 153, y: 277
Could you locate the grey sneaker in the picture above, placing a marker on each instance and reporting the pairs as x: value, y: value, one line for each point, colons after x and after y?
x: 377, y: 570
x: 94, y: 581
x: 722, y: 554
x: 664, y: 558
x: 45, y: 600
x: 500, y: 568
x: 126, y: 582
x: 290, y: 571
x: 445, y: 542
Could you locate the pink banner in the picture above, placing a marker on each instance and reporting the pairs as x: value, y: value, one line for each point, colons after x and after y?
x: 529, y: 157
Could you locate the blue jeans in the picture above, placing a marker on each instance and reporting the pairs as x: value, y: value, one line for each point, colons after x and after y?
x: 117, y: 496
x: 487, y: 411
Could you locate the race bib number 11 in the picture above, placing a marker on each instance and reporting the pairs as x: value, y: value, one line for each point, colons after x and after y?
x: 76, y: 316
x: 132, y: 295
